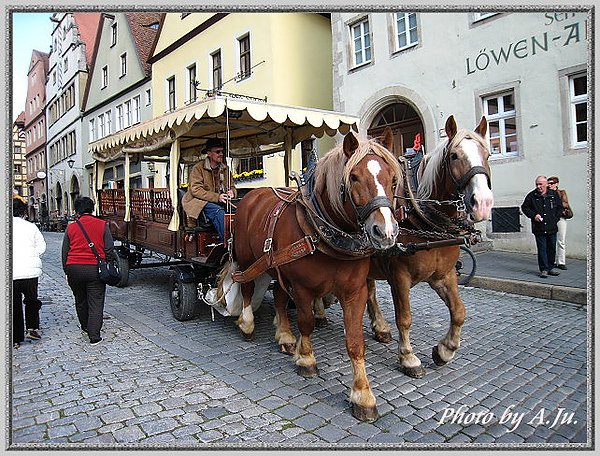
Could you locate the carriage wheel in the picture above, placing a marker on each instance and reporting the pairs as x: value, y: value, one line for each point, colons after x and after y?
x: 466, y: 266
x: 183, y: 298
x: 124, y: 268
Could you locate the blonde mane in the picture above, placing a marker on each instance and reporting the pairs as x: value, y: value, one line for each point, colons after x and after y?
x: 432, y: 164
x: 334, y: 168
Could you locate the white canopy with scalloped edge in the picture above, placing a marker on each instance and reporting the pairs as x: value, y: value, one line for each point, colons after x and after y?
x: 255, y: 128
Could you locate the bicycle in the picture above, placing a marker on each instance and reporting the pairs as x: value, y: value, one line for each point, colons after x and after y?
x: 466, y: 266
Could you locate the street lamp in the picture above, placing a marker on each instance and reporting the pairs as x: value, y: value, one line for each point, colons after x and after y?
x: 71, y: 162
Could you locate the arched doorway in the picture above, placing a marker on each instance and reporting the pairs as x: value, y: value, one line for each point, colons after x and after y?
x: 405, y: 123
x: 74, y: 192
x: 59, y: 200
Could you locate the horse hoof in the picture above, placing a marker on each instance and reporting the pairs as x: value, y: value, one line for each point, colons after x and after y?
x: 308, y: 371
x: 437, y: 359
x: 321, y: 322
x: 288, y: 349
x: 367, y: 414
x: 413, y: 372
x: 247, y: 337
x: 383, y: 337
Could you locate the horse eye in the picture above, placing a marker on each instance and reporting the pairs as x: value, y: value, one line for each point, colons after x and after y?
x: 454, y: 156
x: 353, y: 177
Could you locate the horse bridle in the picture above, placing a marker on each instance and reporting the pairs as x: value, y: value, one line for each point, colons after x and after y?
x: 461, y: 183
x: 363, y: 212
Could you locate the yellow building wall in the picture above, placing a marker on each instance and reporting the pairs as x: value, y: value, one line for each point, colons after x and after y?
x: 296, y: 68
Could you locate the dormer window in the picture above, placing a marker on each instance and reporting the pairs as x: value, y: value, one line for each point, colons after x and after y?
x: 113, y: 34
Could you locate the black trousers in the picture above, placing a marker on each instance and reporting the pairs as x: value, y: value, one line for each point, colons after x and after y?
x: 89, y: 292
x: 546, y: 250
x: 25, y: 291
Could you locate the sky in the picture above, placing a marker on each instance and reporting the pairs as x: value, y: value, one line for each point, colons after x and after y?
x: 30, y: 31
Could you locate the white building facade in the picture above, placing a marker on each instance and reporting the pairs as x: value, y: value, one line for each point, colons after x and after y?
x: 525, y: 71
x: 72, y: 39
x: 119, y: 93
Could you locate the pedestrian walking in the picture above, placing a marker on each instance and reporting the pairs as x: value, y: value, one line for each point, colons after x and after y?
x: 27, y: 247
x: 561, y: 235
x: 544, y: 207
x: 81, y: 266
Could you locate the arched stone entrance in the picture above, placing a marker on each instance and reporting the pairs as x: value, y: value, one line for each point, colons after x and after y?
x: 405, y: 123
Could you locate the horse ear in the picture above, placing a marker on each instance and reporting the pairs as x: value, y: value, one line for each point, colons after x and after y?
x: 350, y: 144
x: 481, y: 129
x: 451, y: 128
x: 387, y: 139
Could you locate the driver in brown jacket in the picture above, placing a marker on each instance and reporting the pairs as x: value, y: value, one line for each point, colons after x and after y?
x: 210, y: 187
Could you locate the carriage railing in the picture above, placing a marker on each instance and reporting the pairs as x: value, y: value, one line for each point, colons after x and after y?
x: 111, y: 202
x: 150, y: 204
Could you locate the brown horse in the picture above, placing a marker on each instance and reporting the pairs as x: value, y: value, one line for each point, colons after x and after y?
x: 457, y: 173
x: 354, y: 186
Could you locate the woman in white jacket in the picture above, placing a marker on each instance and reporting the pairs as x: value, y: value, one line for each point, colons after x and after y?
x: 28, y: 244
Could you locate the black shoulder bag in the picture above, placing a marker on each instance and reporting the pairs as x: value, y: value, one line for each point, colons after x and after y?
x: 108, y: 271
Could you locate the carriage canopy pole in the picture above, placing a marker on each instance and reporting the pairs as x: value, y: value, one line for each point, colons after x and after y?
x: 174, y: 167
x: 97, y: 182
x: 287, y: 159
x: 127, y: 217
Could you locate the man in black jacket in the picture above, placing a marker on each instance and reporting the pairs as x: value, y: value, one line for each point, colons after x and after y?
x: 544, y: 207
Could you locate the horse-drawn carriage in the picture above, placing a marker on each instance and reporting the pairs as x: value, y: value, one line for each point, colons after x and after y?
x: 335, y: 234
x: 150, y: 223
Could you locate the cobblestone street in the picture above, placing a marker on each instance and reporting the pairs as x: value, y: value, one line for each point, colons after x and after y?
x: 197, y: 384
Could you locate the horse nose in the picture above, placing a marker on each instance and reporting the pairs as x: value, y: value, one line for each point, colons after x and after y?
x: 481, y: 205
x: 387, y: 233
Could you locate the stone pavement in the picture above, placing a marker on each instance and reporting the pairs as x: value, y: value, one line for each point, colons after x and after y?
x: 518, y: 273
x: 155, y: 382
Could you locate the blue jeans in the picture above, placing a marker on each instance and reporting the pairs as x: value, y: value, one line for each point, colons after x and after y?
x: 216, y: 214
x: 546, y: 250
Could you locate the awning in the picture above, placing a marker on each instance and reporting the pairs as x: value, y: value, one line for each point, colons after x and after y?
x: 255, y: 128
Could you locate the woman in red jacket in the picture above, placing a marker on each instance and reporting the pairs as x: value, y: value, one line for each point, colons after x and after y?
x: 80, y: 266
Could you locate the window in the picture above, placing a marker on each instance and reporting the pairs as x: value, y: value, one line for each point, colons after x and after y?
x: 104, y: 76
x: 245, y: 63
x: 361, y: 43
x: 127, y: 113
x: 137, y: 113
x: 406, y: 30
x: 171, y: 93
x: 246, y: 165
x: 578, y: 100
x: 217, y: 71
x: 113, y: 34
x: 101, y: 126
x: 93, y: 129
x: 123, y: 64
x: 65, y: 64
x: 482, y: 15
x: 502, y: 122
x: 108, y: 119
x: 191, y: 78
x: 506, y: 220
x: 148, y: 97
x: 120, y: 124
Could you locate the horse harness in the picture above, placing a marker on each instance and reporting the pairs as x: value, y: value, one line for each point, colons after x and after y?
x: 320, y: 231
x: 274, y: 259
x: 421, y: 219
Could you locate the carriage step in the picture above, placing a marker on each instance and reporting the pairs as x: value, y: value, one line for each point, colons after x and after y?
x: 203, y: 260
